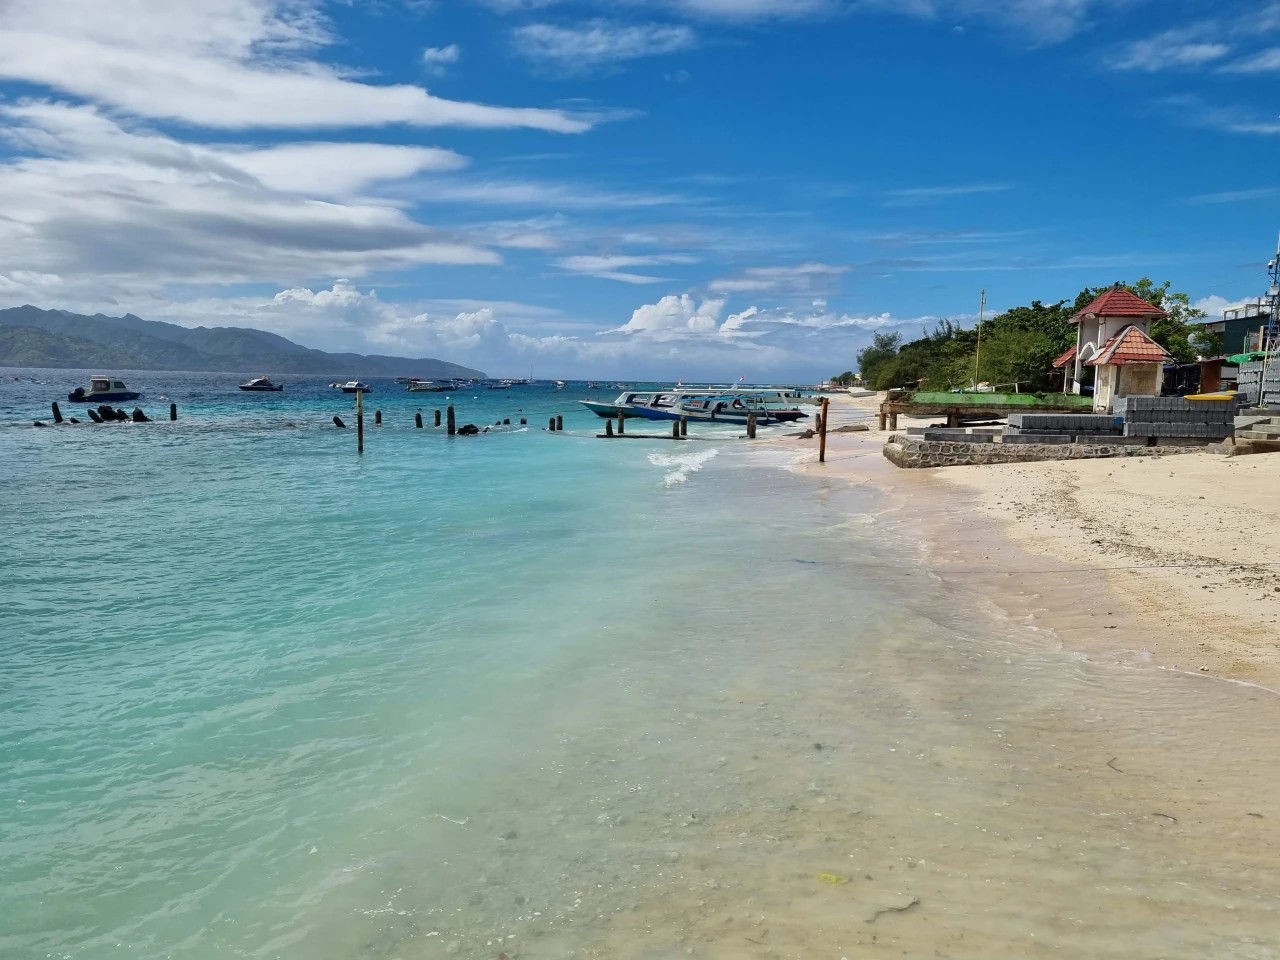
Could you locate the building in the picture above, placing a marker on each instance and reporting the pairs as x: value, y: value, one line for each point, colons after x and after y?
x: 1114, y: 353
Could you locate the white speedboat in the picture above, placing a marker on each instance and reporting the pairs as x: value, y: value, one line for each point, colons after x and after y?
x: 354, y: 386
x: 102, y: 389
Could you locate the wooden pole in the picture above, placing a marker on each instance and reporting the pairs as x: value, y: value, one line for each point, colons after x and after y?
x: 551, y: 425
x: 173, y: 411
x: 417, y: 419
x: 684, y: 426
x: 621, y: 421
x: 822, y: 431
x: 360, y: 421
x: 675, y: 430
x: 751, y: 426
x: 608, y: 428
x: 57, y: 413
x: 437, y: 418
x: 559, y: 422
x: 377, y: 418
x: 451, y: 420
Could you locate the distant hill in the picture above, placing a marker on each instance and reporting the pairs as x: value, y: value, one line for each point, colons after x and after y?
x: 31, y: 337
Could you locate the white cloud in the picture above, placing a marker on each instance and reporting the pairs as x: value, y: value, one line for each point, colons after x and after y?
x: 803, y: 278
x: 617, y: 267
x: 437, y: 60
x: 721, y: 10
x: 93, y: 200
x: 600, y: 42
x: 230, y: 64
x: 1165, y: 53
x: 673, y: 317
x: 1214, y: 305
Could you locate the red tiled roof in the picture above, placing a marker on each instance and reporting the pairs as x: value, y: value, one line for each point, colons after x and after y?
x: 1130, y: 345
x: 1066, y: 358
x: 1118, y: 302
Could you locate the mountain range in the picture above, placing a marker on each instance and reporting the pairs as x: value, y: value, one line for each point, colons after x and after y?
x: 31, y: 337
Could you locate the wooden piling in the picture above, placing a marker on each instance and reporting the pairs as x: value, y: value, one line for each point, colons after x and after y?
x: 524, y: 422
x: 173, y: 412
x: 684, y: 426
x: 551, y: 425
x: 506, y: 421
x: 675, y: 430
x: 417, y: 419
x: 884, y: 418
x: 94, y: 415
x: 57, y: 412
x: 437, y: 418
x: 377, y: 418
x: 451, y: 420
x: 559, y: 422
x: 360, y: 421
x: 751, y: 426
x: 337, y: 422
x: 608, y: 428
x: 822, y: 431
x: 622, y: 418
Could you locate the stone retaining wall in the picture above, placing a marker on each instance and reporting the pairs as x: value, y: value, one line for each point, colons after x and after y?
x: 910, y: 452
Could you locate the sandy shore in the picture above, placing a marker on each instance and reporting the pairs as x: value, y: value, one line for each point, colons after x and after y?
x: 1189, y: 546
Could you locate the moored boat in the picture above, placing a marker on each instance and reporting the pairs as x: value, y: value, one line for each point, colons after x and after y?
x: 102, y: 389
x: 723, y: 408
x: 262, y: 385
x: 426, y: 386
x: 354, y: 386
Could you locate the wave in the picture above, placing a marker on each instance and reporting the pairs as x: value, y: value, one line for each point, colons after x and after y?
x: 683, y: 464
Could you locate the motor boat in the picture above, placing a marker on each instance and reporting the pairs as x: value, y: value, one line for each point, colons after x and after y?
x: 354, y: 386
x: 262, y: 385
x: 101, y: 390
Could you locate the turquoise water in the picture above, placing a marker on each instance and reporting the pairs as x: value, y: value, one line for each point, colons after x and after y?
x: 539, y: 695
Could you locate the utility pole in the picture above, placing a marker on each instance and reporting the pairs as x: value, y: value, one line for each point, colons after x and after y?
x: 982, y: 306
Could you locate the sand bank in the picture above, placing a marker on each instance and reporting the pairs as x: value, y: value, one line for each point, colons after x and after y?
x: 1188, y: 545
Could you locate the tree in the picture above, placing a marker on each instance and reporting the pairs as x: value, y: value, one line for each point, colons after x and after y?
x: 883, y: 346
x: 845, y: 379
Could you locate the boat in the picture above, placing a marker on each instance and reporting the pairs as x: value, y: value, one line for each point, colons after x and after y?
x: 354, y: 386
x: 559, y: 384
x: 426, y: 386
x: 102, y: 389
x: 262, y: 385
x: 723, y: 408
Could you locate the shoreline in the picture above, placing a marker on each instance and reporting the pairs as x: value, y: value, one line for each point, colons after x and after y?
x: 1146, y: 543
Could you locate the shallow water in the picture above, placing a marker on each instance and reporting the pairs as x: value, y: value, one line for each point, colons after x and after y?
x: 539, y: 696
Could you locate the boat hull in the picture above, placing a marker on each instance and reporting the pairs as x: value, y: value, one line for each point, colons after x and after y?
x: 275, y: 389
x: 111, y: 396
x: 609, y: 410
x: 356, y: 390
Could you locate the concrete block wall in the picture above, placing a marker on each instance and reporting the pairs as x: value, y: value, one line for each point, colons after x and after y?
x: 1249, y: 379
x: 915, y: 452
x: 1060, y: 423
x: 1177, y: 417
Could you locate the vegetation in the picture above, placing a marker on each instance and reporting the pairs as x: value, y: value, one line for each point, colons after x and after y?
x: 1020, y: 345
x: 846, y: 379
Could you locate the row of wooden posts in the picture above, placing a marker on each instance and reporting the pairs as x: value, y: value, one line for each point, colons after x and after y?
x: 679, y: 428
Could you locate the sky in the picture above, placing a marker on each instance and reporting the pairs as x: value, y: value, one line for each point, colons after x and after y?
x: 695, y: 189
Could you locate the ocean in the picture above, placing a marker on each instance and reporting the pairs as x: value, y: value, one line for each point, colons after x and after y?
x: 534, y: 695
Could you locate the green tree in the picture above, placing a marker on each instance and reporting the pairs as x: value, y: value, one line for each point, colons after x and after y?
x: 883, y: 346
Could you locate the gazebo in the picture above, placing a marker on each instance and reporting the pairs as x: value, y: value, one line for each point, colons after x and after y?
x: 1098, y: 325
x: 1129, y: 364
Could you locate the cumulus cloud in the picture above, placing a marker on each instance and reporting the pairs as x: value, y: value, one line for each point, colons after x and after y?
x: 230, y: 64
x: 582, y: 47
x: 673, y: 317
x: 437, y: 60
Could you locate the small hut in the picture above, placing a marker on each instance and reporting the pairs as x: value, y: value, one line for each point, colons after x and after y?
x: 1130, y: 364
x: 1098, y: 325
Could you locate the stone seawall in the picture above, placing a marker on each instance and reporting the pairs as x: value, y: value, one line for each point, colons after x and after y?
x: 911, y: 452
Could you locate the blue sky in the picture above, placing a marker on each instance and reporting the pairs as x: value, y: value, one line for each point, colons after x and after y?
x: 657, y: 188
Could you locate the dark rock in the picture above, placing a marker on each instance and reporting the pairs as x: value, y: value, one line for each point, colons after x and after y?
x: 468, y: 430
x: 140, y: 417
x: 337, y: 422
